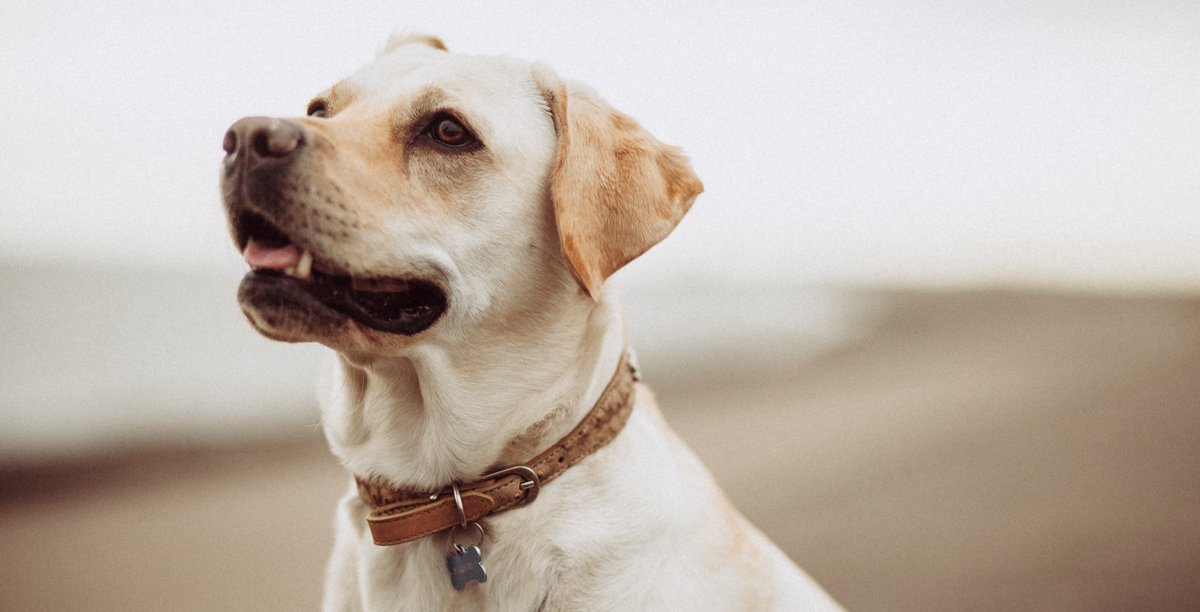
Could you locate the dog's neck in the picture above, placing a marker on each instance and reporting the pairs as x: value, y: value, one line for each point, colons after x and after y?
x: 452, y: 408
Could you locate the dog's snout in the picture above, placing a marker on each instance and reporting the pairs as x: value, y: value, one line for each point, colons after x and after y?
x: 260, y: 138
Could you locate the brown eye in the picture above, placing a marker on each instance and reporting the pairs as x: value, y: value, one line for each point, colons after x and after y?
x: 317, y: 109
x: 448, y: 131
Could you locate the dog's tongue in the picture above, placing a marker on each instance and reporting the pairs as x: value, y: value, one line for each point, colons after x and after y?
x: 261, y: 256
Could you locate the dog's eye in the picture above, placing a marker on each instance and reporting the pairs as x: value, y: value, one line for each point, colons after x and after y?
x: 448, y: 131
x: 316, y: 108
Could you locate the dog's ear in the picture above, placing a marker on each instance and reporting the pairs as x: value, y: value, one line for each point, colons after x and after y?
x: 616, y: 190
x: 399, y: 39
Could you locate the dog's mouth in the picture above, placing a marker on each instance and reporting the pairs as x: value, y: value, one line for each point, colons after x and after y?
x: 290, y: 276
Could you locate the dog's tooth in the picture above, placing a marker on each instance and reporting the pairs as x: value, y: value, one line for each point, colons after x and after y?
x: 304, y: 266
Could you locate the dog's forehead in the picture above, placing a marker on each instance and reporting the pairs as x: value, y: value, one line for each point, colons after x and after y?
x: 403, y: 73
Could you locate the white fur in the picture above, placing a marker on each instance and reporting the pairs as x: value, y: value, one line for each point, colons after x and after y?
x: 639, y: 525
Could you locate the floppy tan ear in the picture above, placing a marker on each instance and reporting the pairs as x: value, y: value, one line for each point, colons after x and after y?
x: 617, y: 191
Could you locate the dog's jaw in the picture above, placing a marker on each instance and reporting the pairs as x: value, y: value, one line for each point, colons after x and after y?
x: 451, y: 407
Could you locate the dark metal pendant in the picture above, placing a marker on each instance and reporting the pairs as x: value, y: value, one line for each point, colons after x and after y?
x: 465, y: 565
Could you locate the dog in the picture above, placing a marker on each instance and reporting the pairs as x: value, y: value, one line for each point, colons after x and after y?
x: 446, y: 224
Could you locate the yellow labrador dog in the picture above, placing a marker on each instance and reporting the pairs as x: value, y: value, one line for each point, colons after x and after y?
x: 446, y: 224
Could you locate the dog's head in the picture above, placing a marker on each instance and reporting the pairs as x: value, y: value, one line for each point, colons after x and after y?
x: 430, y: 190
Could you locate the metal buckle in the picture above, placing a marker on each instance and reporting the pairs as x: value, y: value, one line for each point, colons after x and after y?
x: 531, y: 483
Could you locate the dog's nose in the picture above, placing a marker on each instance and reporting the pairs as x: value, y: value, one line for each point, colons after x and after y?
x: 263, y: 137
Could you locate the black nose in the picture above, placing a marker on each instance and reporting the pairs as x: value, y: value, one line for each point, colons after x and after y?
x: 261, y: 138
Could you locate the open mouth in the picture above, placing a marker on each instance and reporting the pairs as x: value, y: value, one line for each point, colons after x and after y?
x: 277, y: 265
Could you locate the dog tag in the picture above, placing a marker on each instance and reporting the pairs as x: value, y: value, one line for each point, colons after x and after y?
x: 465, y: 565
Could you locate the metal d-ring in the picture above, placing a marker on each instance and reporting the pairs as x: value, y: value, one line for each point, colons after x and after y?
x: 454, y: 533
x: 458, y: 505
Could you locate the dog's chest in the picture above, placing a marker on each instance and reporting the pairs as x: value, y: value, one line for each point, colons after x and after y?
x: 419, y: 577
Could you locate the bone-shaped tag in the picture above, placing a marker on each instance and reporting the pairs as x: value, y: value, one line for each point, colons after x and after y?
x: 465, y: 565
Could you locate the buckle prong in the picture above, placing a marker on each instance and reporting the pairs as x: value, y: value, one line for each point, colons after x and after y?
x: 530, y: 482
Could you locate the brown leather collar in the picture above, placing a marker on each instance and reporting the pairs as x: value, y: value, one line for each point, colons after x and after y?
x: 399, y: 516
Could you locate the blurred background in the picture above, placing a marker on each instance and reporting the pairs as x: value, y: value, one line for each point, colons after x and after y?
x: 945, y: 273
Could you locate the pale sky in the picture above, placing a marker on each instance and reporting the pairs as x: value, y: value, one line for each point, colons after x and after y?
x: 937, y: 142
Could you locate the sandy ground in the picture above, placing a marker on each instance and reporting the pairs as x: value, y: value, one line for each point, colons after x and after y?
x: 981, y: 451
